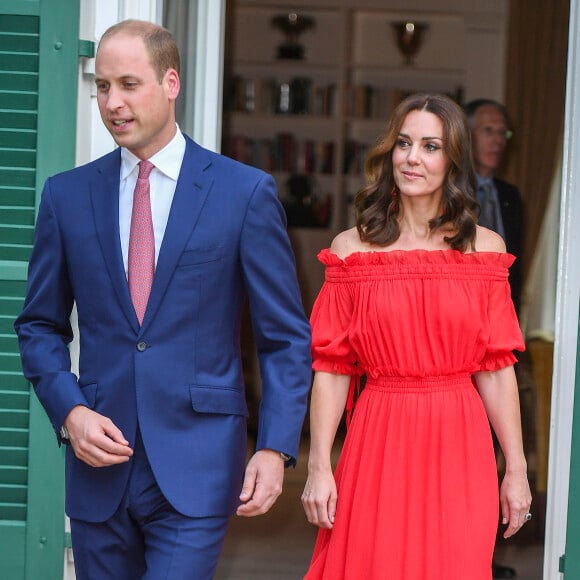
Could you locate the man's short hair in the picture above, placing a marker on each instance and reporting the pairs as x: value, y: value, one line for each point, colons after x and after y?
x: 472, y: 107
x: 159, y: 42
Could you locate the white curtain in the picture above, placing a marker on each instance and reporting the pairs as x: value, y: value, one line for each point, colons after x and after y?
x: 199, y: 29
x: 179, y: 17
x: 539, y: 307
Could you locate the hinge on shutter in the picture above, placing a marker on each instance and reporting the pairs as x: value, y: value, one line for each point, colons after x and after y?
x: 87, y: 48
x: 561, y: 564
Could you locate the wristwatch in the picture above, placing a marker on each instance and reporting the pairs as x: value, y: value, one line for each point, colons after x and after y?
x: 285, y: 457
x: 64, y: 433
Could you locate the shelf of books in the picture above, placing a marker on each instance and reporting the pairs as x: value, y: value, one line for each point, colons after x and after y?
x: 306, y: 105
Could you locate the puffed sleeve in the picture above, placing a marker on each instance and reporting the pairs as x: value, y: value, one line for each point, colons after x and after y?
x: 331, y: 320
x: 505, y: 335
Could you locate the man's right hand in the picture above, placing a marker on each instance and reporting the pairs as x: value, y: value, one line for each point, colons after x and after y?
x: 95, y: 439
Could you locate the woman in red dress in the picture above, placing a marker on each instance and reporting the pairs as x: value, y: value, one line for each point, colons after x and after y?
x: 416, y: 298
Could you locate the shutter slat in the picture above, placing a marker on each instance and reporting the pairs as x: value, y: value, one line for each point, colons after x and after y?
x: 9, y: 305
x: 12, y: 511
x: 14, y: 456
x: 19, y: 81
x: 14, y: 438
x: 18, y: 119
x: 18, y: 62
x: 16, y: 215
x: 8, y: 343
x: 13, y: 381
x: 14, y: 419
x: 13, y: 237
x: 20, y: 177
x: 17, y: 196
x: 18, y: 100
x: 7, y: 325
x: 14, y: 400
x: 14, y: 494
x: 18, y: 158
x: 18, y: 41
x: 16, y: 253
x: 12, y: 23
x: 13, y: 475
x: 20, y: 139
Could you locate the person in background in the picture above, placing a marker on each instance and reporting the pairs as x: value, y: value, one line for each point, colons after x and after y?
x: 501, y: 202
x: 159, y: 243
x: 416, y: 298
x: 501, y: 208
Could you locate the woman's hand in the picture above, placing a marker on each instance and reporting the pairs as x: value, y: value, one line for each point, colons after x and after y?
x: 319, y: 498
x: 499, y: 393
x: 515, y: 499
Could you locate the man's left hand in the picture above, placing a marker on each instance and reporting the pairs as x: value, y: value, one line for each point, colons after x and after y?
x: 262, y: 483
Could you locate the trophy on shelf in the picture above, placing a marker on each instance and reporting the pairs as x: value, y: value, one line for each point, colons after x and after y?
x: 292, y: 25
x: 409, y: 36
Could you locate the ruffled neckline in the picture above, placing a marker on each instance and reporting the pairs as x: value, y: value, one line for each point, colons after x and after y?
x: 406, y: 257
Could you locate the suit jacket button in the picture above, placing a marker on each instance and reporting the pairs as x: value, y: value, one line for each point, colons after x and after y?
x: 141, y: 346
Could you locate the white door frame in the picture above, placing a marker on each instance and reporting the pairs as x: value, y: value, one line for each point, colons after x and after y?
x: 568, y: 298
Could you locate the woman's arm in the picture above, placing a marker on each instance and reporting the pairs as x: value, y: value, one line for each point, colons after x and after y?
x: 329, y: 394
x: 499, y: 393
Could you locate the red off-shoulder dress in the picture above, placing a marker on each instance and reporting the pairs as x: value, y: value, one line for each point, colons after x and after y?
x: 417, y: 481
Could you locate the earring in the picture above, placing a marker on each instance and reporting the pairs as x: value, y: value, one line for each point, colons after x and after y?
x: 394, y: 193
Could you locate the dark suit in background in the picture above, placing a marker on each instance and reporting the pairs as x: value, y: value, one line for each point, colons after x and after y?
x: 511, y: 208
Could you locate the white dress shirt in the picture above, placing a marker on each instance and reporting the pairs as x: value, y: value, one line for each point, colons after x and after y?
x: 162, y: 181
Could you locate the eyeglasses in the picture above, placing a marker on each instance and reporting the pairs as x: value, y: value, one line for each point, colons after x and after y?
x: 490, y: 132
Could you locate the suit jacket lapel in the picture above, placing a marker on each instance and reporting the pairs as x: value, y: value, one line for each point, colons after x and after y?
x: 105, y: 200
x: 191, y: 191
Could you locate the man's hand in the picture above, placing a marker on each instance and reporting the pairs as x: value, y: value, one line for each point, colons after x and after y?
x: 95, y: 438
x: 262, y: 483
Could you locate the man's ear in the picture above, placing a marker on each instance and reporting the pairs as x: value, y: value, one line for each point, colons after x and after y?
x: 172, y: 83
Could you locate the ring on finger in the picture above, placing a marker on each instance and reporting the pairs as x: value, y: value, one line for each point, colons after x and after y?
x: 528, y: 517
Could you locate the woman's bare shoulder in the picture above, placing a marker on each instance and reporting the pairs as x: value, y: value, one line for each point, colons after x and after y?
x: 488, y: 241
x: 346, y: 243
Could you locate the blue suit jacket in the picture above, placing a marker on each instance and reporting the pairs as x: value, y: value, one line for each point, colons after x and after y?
x: 179, y: 375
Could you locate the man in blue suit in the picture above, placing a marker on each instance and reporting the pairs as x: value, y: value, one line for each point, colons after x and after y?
x: 155, y: 424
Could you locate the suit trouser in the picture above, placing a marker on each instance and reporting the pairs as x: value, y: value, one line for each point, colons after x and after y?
x: 147, y: 538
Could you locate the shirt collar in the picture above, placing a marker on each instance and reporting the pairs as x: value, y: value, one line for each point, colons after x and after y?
x: 168, y: 160
x: 481, y: 181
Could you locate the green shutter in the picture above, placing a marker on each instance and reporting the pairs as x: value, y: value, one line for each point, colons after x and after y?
x: 19, y: 46
x: 571, y: 564
x: 38, y: 91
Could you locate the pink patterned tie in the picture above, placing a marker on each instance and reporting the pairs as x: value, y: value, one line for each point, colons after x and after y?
x: 141, y: 243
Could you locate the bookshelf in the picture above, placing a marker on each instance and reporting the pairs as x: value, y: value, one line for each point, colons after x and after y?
x: 283, y: 115
x: 310, y: 121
